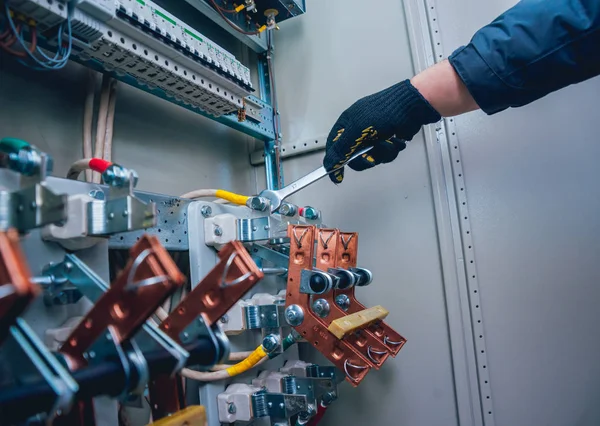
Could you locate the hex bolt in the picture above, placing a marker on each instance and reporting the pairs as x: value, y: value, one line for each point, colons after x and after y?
x: 271, y: 342
x: 321, y: 307
x: 342, y: 301
x: 310, y: 213
x: 206, y: 211
x: 257, y: 203
x: 231, y: 409
x: 218, y: 231
x: 288, y: 209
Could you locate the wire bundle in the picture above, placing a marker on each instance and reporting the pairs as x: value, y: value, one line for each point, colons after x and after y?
x: 33, y: 56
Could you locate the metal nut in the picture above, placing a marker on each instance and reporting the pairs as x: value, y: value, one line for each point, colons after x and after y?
x: 271, y: 342
x: 288, y: 209
x: 321, y: 307
x: 342, y: 301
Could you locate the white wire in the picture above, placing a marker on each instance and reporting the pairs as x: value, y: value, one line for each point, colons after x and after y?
x: 212, y: 376
x: 77, y: 167
x: 200, y: 193
x: 101, y: 123
x: 110, y: 120
x: 88, y: 117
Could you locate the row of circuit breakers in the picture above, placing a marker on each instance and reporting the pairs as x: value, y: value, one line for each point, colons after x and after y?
x: 140, y: 39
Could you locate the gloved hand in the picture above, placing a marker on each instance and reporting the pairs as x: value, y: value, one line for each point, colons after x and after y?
x: 383, y: 120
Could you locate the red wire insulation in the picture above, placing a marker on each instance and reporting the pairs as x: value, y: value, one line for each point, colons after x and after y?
x: 317, y: 417
x: 99, y: 165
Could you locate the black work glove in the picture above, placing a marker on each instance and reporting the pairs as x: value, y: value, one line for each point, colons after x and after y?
x: 384, y: 121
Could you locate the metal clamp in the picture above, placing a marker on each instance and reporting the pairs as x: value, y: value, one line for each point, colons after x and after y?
x: 277, y: 405
x: 30, y: 358
x: 123, y: 211
x: 33, y: 205
x: 264, y: 316
x: 316, y: 282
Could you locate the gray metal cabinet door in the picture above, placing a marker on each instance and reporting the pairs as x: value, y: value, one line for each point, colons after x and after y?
x: 532, y: 208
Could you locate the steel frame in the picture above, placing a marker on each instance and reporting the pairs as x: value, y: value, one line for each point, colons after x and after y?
x: 465, y: 323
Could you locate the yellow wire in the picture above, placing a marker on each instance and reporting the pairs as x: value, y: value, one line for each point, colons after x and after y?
x: 232, y: 197
x: 245, y: 365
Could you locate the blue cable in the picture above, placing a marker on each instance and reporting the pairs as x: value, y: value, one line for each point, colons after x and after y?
x: 52, y: 63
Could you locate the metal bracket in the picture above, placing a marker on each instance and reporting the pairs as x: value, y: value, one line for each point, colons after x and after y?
x: 145, y: 282
x: 22, y: 345
x: 31, y: 207
x: 278, y: 405
x: 264, y: 316
x: 254, y: 229
x: 122, y: 212
x: 316, y: 282
x: 276, y: 258
x: 312, y: 387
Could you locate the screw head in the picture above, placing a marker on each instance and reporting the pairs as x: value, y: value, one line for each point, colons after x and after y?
x: 224, y: 319
x: 125, y: 213
x: 111, y: 215
x: 294, y: 315
x: 218, y: 231
x: 206, y: 211
x: 231, y: 409
x: 281, y: 405
x: 342, y: 301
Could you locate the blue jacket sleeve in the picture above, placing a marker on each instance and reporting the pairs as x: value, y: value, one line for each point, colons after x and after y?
x: 533, y: 49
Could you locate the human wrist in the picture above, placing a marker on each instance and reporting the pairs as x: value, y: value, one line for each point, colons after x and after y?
x: 442, y: 87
